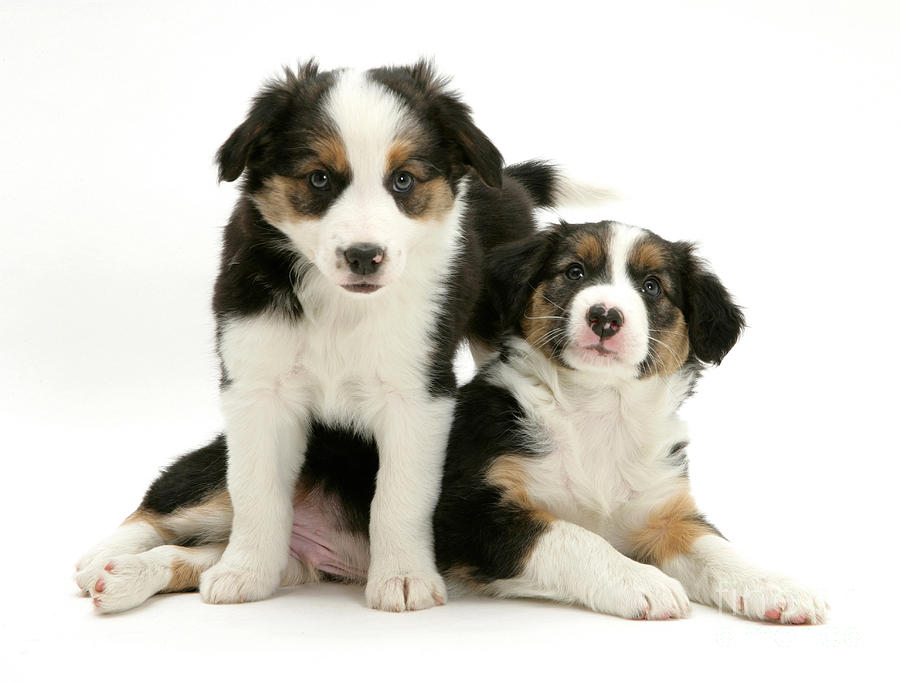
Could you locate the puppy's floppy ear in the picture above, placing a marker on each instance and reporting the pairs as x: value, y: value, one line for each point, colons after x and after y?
x: 268, y: 106
x: 513, y: 270
x: 714, y: 321
x: 454, y: 118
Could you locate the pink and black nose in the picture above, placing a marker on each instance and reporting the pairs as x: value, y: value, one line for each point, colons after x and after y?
x: 364, y: 258
x: 603, y: 321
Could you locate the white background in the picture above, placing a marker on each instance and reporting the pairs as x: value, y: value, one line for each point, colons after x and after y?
x: 769, y: 131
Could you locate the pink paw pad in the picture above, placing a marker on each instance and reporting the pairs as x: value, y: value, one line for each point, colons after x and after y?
x: 109, y: 567
x: 99, y: 585
x: 799, y: 620
x: 773, y: 614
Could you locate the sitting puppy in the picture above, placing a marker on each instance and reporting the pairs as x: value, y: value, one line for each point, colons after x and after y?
x: 566, y: 474
x: 351, y: 269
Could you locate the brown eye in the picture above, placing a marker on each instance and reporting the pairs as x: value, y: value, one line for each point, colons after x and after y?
x: 651, y: 287
x: 319, y: 180
x: 575, y: 271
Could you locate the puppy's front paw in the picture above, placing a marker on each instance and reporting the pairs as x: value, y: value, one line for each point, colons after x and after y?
x: 774, y: 598
x: 405, y: 591
x: 230, y: 582
x: 645, y: 593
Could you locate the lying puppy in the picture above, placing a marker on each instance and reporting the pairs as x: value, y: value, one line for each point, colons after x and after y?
x: 565, y: 451
x: 566, y: 474
x: 351, y: 269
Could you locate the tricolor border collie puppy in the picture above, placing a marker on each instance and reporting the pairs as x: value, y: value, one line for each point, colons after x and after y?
x: 351, y: 269
x: 566, y: 474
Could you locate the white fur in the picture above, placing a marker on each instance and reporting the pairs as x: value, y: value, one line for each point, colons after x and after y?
x: 368, y: 118
x: 630, y: 344
x: 714, y: 573
x: 608, y: 441
x: 129, y: 538
x: 570, y: 192
x: 358, y: 361
x: 128, y: 580
x: 572, y: 564
x: 607, y: 435
x: 131, y: 579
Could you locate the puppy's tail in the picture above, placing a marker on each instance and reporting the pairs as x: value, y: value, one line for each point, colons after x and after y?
x: 549, y: 187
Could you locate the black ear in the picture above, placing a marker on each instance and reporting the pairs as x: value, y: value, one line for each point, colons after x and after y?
x: 269, y: 105
x: 512, y: 273
x: 714, y: 321
x: 454, y: 118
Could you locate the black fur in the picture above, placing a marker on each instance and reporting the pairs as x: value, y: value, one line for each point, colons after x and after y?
x: 714, y: 321
x: 475, y: 529
x: 512, y: 273
x: 190, y: 480
x: 539, y: 178
x: 343, y: 465
x: 459, y: 143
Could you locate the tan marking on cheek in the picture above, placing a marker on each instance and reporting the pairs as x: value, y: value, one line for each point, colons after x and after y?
x: 539, y: 323
x: 507, y: 473
x: 670, y: 531
x: 430, y: 200
x: 671, y: 348
x: 282, y: 200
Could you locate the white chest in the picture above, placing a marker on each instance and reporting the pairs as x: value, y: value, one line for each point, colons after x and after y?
x: 342, y: 359
x: 606, y: 450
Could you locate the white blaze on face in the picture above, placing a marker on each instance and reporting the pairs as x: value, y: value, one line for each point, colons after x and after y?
x: 368, y: 119
x: 628, y: 347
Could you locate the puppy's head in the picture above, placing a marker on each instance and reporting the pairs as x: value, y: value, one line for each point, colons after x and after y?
x: 360, y: 170
x: 616, y: 299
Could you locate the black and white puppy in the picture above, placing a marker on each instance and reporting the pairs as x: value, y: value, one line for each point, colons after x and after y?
x: 350, y: 271
x: 566, y: 474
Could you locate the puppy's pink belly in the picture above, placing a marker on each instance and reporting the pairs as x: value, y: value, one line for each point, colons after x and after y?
x: 318, y: 542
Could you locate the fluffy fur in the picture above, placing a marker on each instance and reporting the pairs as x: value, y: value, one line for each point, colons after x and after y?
x: 566, y: 473
x: 351, y: 269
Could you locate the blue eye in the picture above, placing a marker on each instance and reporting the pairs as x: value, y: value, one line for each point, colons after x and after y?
x: 651, y: 287
x: 319, y: 180
x: 575, y: 271
x: 403, y: 181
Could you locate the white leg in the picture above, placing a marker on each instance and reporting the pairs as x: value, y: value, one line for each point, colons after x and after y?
x: 266, y: 435
x: 130, y: 538
x: 412, y: 438
x: 129, y: 580
x: 571, y: 564
x: 715, y: 574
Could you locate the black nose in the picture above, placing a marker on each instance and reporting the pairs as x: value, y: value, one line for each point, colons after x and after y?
x: 364, y: 259
x: 605, y: 323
